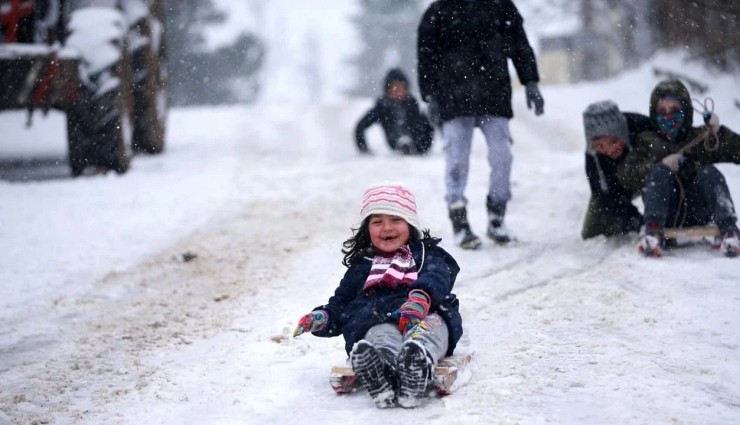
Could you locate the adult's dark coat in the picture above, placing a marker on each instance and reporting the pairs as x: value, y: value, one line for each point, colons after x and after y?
x: 463, y: 50
x: 352, y: 312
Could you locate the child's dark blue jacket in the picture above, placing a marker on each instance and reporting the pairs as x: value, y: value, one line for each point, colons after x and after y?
x: 352, y: 312
x: 397, y: 119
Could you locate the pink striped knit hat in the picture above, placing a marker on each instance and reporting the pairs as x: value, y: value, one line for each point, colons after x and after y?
x: 392, y: 199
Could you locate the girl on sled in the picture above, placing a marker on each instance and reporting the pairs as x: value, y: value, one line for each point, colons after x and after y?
x: 394, y: 305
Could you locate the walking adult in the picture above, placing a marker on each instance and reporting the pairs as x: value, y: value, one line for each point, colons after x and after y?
x: 463, y: 51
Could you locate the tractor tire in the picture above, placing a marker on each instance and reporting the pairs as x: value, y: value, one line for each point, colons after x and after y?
x: 77, y: 139
x: 99, y: 120
x: 112, y: 132
x: 149, y: 85
x: 98, y: 131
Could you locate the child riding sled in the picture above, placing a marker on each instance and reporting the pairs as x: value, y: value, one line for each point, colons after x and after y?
x: 394, y: 305
x: 406, y: 128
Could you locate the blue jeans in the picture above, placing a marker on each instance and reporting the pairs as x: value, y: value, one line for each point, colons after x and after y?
x: 706, y: 199
x: 458, y: 137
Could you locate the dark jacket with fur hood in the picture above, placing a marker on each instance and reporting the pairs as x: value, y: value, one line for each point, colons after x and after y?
x: 352, y: 312
x: 652, y: 146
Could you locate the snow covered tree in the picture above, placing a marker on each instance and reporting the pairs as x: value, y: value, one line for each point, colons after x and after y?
x: 199, y: 75
x: 387, y: 31
x: 616, y: 35
x: 185, y: 41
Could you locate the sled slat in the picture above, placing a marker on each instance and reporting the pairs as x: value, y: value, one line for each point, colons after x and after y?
x: 691, y: 232
x: 342, y: 379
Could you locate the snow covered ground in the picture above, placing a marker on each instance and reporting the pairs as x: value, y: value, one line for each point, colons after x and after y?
x: 104, y: 322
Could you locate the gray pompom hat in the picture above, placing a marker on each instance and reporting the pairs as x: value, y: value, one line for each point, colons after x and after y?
x: 604, y: 119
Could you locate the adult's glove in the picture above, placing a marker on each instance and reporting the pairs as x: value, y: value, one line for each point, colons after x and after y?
x: 413, y: 310
x: 712, y: 121
x: 673, y: 161
x: 312, y: 322
x: 534, y: 97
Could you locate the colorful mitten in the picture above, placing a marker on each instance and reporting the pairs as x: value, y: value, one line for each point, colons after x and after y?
x: 312, y: 322
x: 413, y: 310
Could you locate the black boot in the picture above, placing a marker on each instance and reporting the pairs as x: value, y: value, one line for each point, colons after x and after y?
x: 496, y: 229
x: 464, y: 237
x: 415, y: 374
x: 376, y: 372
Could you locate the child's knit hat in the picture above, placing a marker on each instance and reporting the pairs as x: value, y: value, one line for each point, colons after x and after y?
x: 392, y: 199
x: 395, y: 74
x: 604, y: 119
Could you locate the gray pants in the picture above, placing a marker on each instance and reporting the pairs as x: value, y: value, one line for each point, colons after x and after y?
x: 458, y: 138
x: 434, y: 336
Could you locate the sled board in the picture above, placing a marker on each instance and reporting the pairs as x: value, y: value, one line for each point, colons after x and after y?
x: 343, y: 379
x: 687, y: 235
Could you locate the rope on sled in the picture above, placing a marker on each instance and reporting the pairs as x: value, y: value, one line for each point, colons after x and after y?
x: 709, y: 136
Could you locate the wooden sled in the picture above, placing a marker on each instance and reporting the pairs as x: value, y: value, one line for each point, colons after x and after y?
x: 447, y: 372
x: 688, y: 235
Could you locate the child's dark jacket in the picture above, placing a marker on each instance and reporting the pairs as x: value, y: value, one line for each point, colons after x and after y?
x: 352, y: 312
x: 397, y: 119
x: 601, y: 172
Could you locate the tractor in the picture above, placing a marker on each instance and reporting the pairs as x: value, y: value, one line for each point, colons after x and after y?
x: 101, y: 62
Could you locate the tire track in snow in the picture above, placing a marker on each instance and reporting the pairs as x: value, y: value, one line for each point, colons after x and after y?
x: 108, y: 342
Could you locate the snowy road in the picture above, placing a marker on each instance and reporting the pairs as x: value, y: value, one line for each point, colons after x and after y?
x: 108, y: 324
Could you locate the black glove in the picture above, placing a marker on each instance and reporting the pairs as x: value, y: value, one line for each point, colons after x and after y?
x: 361, y: 143
x: 535, y: 97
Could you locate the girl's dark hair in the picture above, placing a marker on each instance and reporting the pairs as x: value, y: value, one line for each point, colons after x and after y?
x: 359, y: 244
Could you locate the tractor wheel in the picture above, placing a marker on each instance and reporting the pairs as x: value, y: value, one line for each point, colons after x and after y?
x: 99, y: 120
x: 97, y: 133
x: 112, y: 131
x: 77, y: 139
x: 149, y: 85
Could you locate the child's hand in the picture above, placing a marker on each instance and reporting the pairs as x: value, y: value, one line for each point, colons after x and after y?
x: 312, y: 322
x: 712, y: 121
x: 673, y: 161
x: 413, y: 310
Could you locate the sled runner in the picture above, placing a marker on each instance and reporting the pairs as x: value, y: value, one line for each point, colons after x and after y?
x: 448, y: 371
x: 688, y: 235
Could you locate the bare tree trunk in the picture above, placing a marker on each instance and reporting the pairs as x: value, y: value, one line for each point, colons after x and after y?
x: 708, y: 28
x: 629, y: 51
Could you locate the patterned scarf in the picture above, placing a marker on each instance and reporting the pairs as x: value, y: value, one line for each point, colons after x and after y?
x: 391, y: 270
x: 671, y: 124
